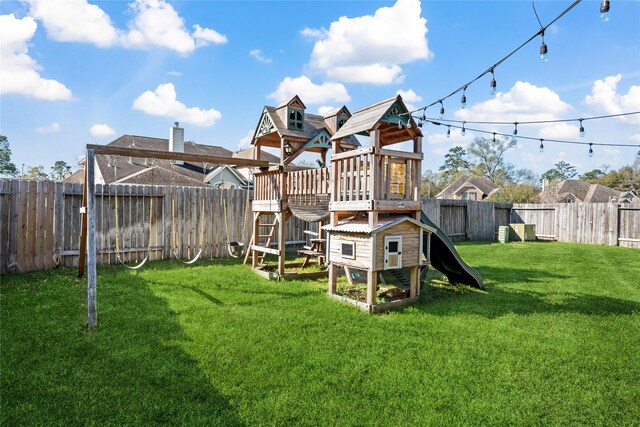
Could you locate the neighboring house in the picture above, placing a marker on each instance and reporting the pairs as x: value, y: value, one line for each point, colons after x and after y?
x: 468, y: 188
x: 133, y: 170
x: 576, y: 191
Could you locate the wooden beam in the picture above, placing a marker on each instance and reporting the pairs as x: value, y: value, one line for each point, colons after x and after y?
x: 171, y: 155
x: 91, y: 242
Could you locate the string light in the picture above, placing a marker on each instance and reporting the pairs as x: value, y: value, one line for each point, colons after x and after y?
x: 464, y: 131
x: 409, y: 123
x: 441, y: 109
x: 515, y: 128
x: 541, y: 149
x: 590, y: 150
x: 494, y: 137
x: 400, y: 124
x: 463, y: 99
x: 560, y: 141
x: 604, y: 11
x: 493, y: 83
x: 448, y: 131
x: 544, y: 51
x: 581, y: 129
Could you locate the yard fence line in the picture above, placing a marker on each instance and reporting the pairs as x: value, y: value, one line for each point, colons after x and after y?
x: 40, y: 222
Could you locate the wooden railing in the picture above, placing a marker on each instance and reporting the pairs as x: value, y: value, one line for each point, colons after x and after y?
x: 370, y: 174
x: 309, y: 181
x: 267, y: 185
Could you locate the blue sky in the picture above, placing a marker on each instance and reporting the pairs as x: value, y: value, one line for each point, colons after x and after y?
x: 78, y: 72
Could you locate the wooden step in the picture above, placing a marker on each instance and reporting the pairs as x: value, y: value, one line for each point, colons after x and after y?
x: 310, y: 253
x: 318, y: 240
x: 268, y: 225
x: 312, y: 233
x: 308, y: 248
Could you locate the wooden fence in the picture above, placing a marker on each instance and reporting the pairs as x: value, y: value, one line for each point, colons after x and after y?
x: 595, y: 223
x: 40, y: 223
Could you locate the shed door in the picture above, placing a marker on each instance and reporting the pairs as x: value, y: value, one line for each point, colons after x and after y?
x: 392, y: 252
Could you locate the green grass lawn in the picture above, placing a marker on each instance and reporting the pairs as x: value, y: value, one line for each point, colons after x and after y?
x: 555, y: 340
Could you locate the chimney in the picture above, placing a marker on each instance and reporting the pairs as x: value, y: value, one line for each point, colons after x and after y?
x: 176, y: 140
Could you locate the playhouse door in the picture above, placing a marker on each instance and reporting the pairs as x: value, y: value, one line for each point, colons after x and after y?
x: 392, y: 252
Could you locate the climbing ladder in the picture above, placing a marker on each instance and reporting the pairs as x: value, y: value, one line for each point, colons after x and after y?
x: 270, y: 231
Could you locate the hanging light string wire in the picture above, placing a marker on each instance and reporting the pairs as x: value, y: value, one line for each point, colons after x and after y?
x: 492, y: 68
x: 560, y: 141
x: 531, y: 122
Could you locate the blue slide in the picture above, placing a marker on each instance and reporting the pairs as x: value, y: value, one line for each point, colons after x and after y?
x: 446, y: 260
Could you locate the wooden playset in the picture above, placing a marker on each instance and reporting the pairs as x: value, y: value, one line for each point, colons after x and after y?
x: 370, y: 197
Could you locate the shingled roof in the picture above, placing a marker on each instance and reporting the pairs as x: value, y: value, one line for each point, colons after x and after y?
x: 580, y: 191
x: 481, y: 183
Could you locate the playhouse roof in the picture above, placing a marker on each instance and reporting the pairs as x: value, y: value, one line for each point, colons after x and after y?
x: 361, y: 225
x: 367, y: 118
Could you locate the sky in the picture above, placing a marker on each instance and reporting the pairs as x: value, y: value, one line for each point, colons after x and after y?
x: 74, y: 72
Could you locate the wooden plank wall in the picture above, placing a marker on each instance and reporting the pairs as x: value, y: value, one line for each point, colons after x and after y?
x: 40, y: 223
x: 594, y: 223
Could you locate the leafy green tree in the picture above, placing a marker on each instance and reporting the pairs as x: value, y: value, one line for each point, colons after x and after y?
x: 60, y: 170
x: 561, y: 170
x: 525, y: 176
x: 6, y: 167
x: 36, y: 173
x: 592, y: 176
x: 432, y: 184
x: 515, y: 193
x: 489, y: 154
x: 455, y: 163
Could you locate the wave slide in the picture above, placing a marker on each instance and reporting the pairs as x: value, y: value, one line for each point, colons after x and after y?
x: 446, y: 260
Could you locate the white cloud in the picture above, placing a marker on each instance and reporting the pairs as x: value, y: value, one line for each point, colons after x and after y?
x: 245, y: 141
x: 204, y: 36
x: 174, y: 73
x: 19, y: 73
x: 74, y: 20
x: 309, y: 92
x: 52, y: 128
x: 259, y: 56
x: 155, y: 23
x: 635, y: 137
x: 604, y: 97
x: 100, y: 129
x: 559, y: 131
x: 610, y: 154
x: 409, y: 97
x: 163, y: 102
x: 324, y: 109
x: 371, y: 48
x: 441, y: 143
x: 524, y: 102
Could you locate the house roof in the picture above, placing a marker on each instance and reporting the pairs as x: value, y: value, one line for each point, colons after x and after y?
x: 220, y: 168
x: 264, y: 155
x: 582, y: 191
x: 483, y: 184
x: 361, y: 225
x: 365, y: 119
x: 133, y: 169
x: 75, y: 178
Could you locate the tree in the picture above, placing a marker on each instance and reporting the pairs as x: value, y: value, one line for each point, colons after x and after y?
x: 592, y: 176
x: 515, y: 193
x: 6, y: 167
x: 60, y: 170
x: 525, y: 176
x: 455, y: 163
x: 431, y: 184
x: 490, y: 156
x: 561, y: 170
x: 36, y: 173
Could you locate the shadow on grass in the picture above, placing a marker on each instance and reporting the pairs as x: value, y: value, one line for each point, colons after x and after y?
x: 132, y: 370
x: 441, y: 298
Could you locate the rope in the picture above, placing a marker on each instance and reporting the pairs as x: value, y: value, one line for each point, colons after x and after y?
x: 173, y: 232
x: 135, y: 267
x: 236, y: 249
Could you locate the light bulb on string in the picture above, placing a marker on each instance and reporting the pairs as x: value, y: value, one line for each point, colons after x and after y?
x: 544, y: 51
x: 463, y: 99
x: 399, y: 123
x: 494, y: 137
x: 493, y: 83
x: 409, y: 122
x: 464, y: 131
x: 448, y: 131
x: 541, y: 149
x: 441, y: 109
x: 581, y: 129
x: 604, y: 10
x: 590, y: 150
x: 515, y: 128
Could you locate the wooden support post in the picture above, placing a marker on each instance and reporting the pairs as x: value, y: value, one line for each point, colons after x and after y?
x: 333, y: 280
x: 373, y: 218
x: 414, y: 281
x: 91, y: 241
x: 83, y: 230
x: 256, y: 232
x: 282, y: 238
x: 372, y: 286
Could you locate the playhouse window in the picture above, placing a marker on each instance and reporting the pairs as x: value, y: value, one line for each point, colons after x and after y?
x: 348, y: 250
x: 296, y: 119
x: 341, y: 121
